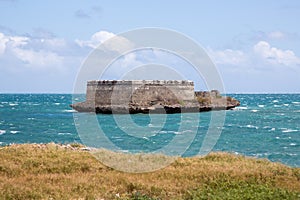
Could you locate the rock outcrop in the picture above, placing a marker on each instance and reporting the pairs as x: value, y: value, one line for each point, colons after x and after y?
x: 139, y: 96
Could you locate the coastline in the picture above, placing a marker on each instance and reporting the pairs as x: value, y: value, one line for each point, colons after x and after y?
x: 44, y: 171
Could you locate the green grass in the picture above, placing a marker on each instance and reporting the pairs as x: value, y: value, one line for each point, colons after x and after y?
x: 65, y: 172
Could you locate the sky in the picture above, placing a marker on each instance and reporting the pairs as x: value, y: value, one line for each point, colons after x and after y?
x: 255, y: 45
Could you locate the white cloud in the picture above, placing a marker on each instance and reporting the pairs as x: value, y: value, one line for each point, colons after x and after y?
x: 227, y: 56
x: 96, y: 39
x: 274, y: 55
x: 3, y: 41
x: 20, y: 52
x: 118, y: 44
x: 276, y: 35
x: 13, y: 41
x: 39, y: 59
x: 261, y: 55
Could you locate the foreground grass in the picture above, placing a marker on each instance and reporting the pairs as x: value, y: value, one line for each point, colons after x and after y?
x: 55, y: 172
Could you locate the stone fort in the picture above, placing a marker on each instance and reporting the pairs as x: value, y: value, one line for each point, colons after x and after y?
x: 145, y: 96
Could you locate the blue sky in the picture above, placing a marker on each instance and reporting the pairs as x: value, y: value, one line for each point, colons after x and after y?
x: 255, y: 44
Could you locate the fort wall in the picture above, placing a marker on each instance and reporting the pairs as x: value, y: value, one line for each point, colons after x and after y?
x: 113, y: 92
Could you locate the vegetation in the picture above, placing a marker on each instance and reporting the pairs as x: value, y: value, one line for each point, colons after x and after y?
x: 69, y: 172
x: 205, y: 101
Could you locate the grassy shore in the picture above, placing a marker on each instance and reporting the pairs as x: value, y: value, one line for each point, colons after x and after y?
x: 65, y: 172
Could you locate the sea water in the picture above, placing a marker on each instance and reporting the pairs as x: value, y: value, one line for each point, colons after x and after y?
x: 264, y: 126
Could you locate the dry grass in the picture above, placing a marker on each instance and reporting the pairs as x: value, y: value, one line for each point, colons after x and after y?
x: 55, y: 172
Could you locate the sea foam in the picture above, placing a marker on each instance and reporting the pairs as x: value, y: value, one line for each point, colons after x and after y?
x: 69, y: 111
x: 14, y: 132
x: 289, y: 130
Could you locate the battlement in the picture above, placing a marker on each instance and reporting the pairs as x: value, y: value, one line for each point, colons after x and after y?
x: 141, y: 82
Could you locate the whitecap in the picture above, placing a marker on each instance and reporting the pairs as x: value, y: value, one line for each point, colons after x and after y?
x: 241, y: 108
x: 57, y: 103
x: 151, y: 125
x: 273, y: 129
x: 187, y: 131
x: 115, y: 137
x: 289, y: 130
x: 30, y: 118
x: 286, y: 104
x: 64, y: 133
x: 254, y: 110
x: 277, y: 137
x: 293, y: 144
x: 14, y: 132
x: 261, y: 106
x: 275, y: 101
x: 277, y: 106
x: 13, y: 104
x: 177, y: 132
x: 69, y: 111
x: 295, y: 102
x: 2, y: 132
x: 251, y: 126
x: 162, y: 131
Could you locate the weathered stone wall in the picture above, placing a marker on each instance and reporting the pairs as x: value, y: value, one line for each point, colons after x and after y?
x: 109, y: 92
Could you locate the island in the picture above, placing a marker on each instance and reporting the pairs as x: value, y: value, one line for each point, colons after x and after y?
x: 150, y: 96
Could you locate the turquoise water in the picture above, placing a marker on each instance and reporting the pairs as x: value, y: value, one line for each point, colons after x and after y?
x: 264, y: 126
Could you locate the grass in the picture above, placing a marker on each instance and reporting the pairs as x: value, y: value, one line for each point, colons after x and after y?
x: 65, y: 172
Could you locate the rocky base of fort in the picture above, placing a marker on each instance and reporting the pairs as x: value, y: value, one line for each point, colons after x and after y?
x: 204, y: 101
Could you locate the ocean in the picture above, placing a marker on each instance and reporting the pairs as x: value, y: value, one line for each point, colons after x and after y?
x: 264, y: 126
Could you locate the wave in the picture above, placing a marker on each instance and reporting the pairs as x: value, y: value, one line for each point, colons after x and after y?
x: 295, y: 102
x: 69, y: 111
x: 251, y: 126
x: 2, y: 132
x: 289, y: 130
x: 14, y: 132
x: 240, y: 108
x: 64, y: 133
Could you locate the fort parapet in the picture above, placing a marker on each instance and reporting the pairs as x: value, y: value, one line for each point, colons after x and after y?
x: 144, y: 96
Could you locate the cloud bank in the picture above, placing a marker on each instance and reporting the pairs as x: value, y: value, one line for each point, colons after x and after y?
x: 53, y: 59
